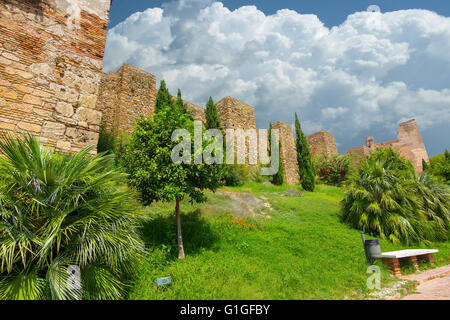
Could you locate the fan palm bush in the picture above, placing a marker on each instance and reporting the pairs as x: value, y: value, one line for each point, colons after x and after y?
x: 386, y: 198
x: 69, y: 228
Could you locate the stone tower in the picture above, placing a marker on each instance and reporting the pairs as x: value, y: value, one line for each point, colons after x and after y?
x: 288, y: 153
x: 322, y: 142
x: 51, y: 57
x: 235, y: 114
x: 124, y: 96
x: 127, y: 94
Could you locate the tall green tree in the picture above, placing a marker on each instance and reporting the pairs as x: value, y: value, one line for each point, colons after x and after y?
x: 424, y: 165
x: 304, y: 161
x: 179, y: 103
x: 163, y: 97
x: 212, y: 116
x: 152, y: 171
x: 439, y: 166
x: 278, y: 178
x: 227, y: 172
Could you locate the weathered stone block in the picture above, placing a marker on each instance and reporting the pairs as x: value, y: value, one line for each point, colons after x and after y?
x: 4, y: 83
x: 43, y: 69
x: 41, y: 93
x: 17, y: 72
x: 10, y: 56
x: 5, y: 62
x: 88, y: 101
x: 23, y: 88
x: 63, y: 93
x: 9, y: 93
x: 65, y: 109
x: 63, y: 145
x: 29, y: 127
x: 82, y: 137
x: 43, y: 112
x: 89, y: 116
x: 7, y: 126
x: 53, y: 130
x: 28, y: 98
x: 22, y: 107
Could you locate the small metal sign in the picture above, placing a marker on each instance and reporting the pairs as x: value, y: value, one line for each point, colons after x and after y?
x: 163, y: 282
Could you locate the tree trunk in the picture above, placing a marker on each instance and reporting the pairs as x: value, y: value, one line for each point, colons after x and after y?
x: 180, y: 236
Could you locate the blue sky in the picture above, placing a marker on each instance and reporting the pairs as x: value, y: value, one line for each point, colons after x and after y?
x: 331, y: 12
x: 341, y: 68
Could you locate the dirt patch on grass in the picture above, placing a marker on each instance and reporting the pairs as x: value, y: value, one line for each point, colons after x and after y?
x: 241, y: 204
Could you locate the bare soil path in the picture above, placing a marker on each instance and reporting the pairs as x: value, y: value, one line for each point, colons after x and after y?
x: 433, y: 284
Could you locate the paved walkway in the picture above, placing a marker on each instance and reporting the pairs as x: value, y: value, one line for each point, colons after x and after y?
x: 433, y: 284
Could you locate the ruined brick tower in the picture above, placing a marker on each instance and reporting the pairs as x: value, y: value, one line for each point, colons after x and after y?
x: 51, y: 57
x: 409, y: 144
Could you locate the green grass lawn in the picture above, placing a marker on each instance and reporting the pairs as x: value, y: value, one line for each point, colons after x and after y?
x: 302, y: 251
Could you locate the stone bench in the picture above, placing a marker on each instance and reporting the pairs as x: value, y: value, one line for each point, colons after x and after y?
x: 391, y: 259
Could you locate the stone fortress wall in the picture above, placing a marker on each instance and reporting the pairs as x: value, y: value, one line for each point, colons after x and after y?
x: 51, y: 60
x: 409, y: 144
x: 52, y: 85
x: 126, y: 94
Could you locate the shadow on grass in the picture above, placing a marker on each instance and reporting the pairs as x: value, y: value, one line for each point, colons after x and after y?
x: 161, y: 232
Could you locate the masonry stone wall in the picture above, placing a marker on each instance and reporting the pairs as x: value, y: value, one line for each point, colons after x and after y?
x: 409, y: 144
x: 235, y: 114
x: 51, y: 57
x: 127, y: 94
x: 288, y: 153
x: 322, y: 142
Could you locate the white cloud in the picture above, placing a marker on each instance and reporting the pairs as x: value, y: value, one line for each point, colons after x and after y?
x: 367, y: 74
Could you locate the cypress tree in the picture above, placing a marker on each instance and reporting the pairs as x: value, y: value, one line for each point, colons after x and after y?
x: 163, y: 98
x: 305, y: 166
x: 213, y: 122
x: 278, y: 178
x: 212, y: 116
x: 424, y: 165
x: 179, y: 103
